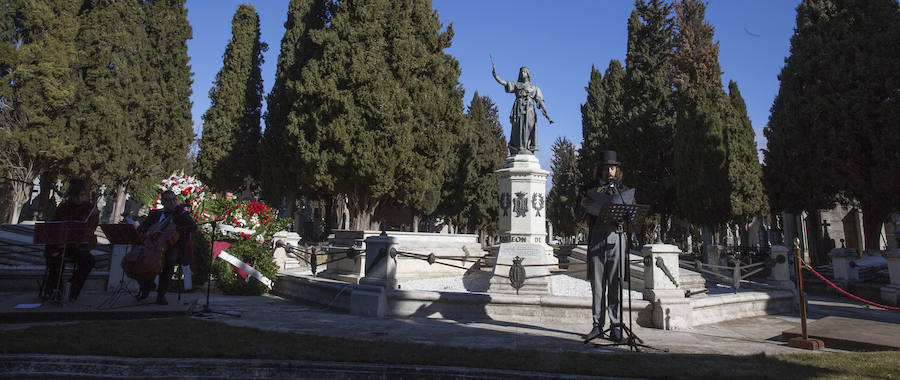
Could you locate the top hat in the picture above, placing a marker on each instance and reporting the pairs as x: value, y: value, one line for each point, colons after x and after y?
x: 608, y: 157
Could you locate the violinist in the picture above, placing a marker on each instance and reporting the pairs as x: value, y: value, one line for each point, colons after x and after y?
x: 603, y: 245
x: 77, y: 207
x: 179, y: 252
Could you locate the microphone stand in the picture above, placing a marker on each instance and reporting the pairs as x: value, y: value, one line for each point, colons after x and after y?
x: 212, y: 241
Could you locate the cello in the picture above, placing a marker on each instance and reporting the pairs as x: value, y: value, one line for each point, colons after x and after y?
x: 144, y: 262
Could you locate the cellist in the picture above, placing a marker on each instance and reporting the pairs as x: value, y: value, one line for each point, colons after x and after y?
x: 180, y: 252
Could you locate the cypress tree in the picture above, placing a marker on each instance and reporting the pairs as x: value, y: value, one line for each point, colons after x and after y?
x: 602, y: 115
x: 231, y: 129
x: 112, y: 45
x: 167, y: 113
x: 472, y: 198
x: 744, y: 171
x: 37, y: 59
x: 288, y: 162
x: 797, y: 161
x: 701, y: 170
x: 416, y: 43
x: 563, y: 202
x: 644, y: 142
x: 836, y: 112
x: 361, y: 115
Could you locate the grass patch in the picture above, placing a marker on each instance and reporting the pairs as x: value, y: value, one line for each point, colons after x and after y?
x: 185, y: 337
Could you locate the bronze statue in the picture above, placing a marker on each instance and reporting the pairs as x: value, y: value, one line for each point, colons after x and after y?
x: 523, y: 136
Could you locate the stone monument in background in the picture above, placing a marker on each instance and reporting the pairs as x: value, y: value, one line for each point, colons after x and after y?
x: 523, y: 200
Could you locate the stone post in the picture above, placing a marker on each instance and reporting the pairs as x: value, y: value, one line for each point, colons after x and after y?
x: 280, y: 253
x: 368, y: 297
x: 844, y: 273
x: 671, y: 310
x: 781, y: 272
x: 116, y: 272
x: 890, y: 294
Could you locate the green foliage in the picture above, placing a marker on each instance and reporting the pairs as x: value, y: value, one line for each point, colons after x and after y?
x: 292, y: 159
x: 167, y: 109
x: 744, y: 171
x: 470, y: 193
x: 645, y: 140
x: 600, y: 114
x: 563, y: 202
x: 701, y: 169
x: 112, y: 49
x: 832, y: 133
x: 254, y: 253
x: 231, y: 130
x: 38, y: 56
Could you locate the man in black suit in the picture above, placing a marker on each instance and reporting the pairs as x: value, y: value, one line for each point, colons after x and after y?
x: 604, y: 243
x: 172, y: 211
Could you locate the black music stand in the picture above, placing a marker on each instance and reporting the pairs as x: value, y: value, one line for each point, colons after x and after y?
x: 120, y: 234
x: 63, y: 233
x: 619, y: 214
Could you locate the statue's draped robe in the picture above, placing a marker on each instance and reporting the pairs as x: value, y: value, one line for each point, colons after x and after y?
x: 523, y: 136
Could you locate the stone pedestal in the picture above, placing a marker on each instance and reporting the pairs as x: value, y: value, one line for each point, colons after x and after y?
x: 536, y: 279
x: 662, y: 279
x: 781, y: 272
x: 890, y: 294
x: 523, y: 204
x: 116, y: 273
x: 522, y: 225
x: 844, y: 273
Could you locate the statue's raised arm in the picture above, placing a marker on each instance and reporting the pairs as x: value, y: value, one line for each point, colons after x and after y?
x: 523, y: 135
x: 494, y: 73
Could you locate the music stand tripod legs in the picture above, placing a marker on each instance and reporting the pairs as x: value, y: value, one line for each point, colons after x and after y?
x: 212, y: 242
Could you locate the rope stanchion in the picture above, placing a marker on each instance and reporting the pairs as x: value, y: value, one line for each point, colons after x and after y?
x: 848, y: 294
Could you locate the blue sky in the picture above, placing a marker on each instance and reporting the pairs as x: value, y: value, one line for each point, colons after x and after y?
x: 558, y: 41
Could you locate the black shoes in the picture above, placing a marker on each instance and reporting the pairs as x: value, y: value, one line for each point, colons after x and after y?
x: 593, y: 334
x: 146, y: 292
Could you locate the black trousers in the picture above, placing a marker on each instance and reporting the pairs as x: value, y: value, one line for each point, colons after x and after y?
x: 84, y: 263
x: 165, y: 275
x: 603, y: 273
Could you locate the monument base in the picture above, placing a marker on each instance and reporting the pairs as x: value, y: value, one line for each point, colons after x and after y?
x: 536, y: 278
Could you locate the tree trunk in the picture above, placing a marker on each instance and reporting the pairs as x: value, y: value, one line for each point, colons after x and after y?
x: 119, y: 206
x: 873, y: 221
x: 46, y: 200
x: 415, y: 221
x: 290, y: 201
x: 17, y: 199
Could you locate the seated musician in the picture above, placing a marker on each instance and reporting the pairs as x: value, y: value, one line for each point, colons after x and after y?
x: 178, y: 253
x: 76, y: 207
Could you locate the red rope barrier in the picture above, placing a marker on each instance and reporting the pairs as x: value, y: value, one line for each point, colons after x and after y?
x: 846, y: 293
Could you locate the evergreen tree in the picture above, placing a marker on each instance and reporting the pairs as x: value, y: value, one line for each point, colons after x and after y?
x: 231, y: 129
x: 832, y: 132
x: 112, y: 45
x: 167, y: 113
x: 701, y: 170
x: 361, y: 116
x: 471, y: 200
x: 416, y: 44
x: 37, y: 58
x: 644, y: 142
x: 744, y: 171
x: 288, y: 162
x: 563, y: 203
x: 601, y: 113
